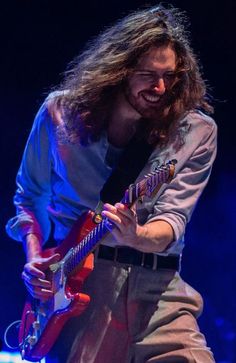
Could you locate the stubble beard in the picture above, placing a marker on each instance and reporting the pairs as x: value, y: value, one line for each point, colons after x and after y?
x: 150, y: 112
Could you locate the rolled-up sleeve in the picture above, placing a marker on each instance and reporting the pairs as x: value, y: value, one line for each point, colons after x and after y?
x: 33, y: 182
x: 177, y: 200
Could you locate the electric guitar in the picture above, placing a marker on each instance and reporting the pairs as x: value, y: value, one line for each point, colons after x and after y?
x: 42, y: 321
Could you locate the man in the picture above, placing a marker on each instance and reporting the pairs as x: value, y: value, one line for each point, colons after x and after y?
x: 139, y: 80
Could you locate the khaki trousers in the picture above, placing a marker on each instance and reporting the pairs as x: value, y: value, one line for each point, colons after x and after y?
x: 136, y: 315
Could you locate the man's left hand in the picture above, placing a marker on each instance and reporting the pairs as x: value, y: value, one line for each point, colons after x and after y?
x: 126, y: 229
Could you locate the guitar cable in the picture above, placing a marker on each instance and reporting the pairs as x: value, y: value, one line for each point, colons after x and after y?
x: 16, y: 322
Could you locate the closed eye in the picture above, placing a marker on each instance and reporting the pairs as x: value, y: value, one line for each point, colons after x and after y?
x: 169, y: 75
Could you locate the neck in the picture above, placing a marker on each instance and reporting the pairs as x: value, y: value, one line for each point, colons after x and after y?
x: 123, y: 122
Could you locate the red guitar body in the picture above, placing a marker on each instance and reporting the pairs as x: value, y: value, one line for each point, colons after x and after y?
x: 42, y: 322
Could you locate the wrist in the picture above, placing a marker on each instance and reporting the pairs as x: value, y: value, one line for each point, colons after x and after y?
x: 142, y: 231
x: 142, y: 237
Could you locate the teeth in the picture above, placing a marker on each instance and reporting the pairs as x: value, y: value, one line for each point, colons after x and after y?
x: 151, y: 98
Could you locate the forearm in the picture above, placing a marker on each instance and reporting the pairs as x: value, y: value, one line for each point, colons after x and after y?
x: 32, y: 246
x: 153, y: 237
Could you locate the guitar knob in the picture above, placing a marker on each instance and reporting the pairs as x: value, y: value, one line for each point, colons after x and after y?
x: 32, y: 339
x: 36, y: 325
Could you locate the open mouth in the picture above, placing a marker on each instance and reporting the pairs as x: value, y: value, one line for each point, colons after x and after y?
x: 151, y: 98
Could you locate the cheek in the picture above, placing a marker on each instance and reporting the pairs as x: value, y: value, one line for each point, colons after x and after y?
x: 135, y: 87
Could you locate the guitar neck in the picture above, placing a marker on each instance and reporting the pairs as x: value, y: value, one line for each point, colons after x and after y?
x: 78, y: 253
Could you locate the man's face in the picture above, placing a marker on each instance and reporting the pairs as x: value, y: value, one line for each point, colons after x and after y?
x: 150, y: 81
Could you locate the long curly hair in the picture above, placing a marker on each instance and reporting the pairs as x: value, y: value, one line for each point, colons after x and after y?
x: 101, y: 70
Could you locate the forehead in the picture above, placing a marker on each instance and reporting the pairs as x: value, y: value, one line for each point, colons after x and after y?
x: 158, y: 58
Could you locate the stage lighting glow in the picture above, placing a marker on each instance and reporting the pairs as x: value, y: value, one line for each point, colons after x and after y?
x: 8, y: 357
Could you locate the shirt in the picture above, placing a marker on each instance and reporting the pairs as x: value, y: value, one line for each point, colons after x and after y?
x: 60, y: 181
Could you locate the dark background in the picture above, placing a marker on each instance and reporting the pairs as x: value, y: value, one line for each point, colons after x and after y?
x: 38, y: 39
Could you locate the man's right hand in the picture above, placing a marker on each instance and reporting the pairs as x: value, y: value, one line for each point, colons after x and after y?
x: 35, y: 279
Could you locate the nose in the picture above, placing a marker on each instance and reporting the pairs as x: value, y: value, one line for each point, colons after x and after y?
x: 159, y: 86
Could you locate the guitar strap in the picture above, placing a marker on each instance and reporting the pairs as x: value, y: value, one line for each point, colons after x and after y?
x: 131, y: 162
